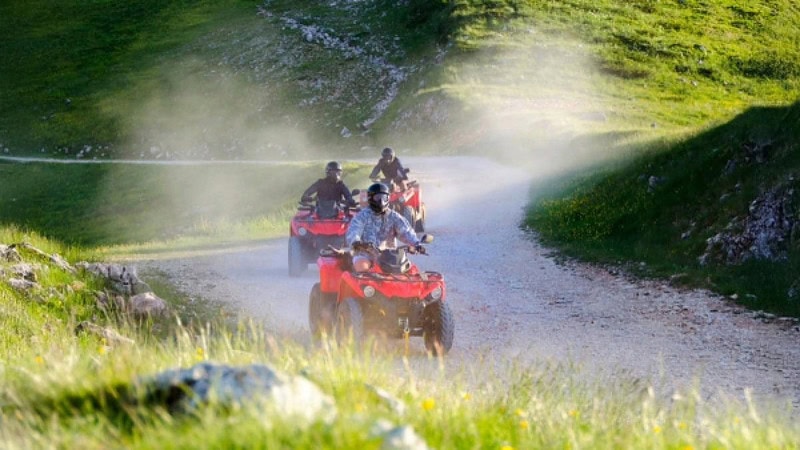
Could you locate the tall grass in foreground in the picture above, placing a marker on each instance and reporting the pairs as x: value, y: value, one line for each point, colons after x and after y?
x: 60, y: 393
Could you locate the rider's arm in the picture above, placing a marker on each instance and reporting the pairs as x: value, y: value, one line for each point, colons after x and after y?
x: 355, y: 229
x: 311, y: 190
x: 401, y: 171
x: 403, y: 230
x: 345, y: 192
x: 376, y: 169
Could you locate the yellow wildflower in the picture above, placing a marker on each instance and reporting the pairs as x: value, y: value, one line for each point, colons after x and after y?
x: 428, y: 404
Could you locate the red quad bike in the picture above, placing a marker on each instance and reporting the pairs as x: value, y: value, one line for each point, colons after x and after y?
x: 314, y: 228
x: 393, y: 299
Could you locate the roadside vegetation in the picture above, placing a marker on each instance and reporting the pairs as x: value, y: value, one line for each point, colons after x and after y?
x: 717, y: 210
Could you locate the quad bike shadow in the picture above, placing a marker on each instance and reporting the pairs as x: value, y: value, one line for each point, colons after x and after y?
x: 392, y: 299
x: 316, y: 227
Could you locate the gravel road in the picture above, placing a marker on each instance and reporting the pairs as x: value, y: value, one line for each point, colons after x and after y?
x: 513, y: 302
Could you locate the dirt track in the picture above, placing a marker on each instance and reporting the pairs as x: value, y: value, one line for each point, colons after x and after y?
x: 513, y: 302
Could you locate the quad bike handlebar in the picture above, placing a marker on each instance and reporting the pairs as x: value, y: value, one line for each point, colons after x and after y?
x: 413, y: 249
x: 308, y: 205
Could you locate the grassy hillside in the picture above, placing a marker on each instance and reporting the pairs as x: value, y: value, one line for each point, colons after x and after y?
x: 568, y: 80
x: 738, y: 182
x: 70, y: 58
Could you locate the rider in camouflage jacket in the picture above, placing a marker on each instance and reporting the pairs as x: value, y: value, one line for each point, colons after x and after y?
x: 378, y: 225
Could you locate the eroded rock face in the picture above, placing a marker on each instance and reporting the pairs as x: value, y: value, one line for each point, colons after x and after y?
x: 293, y: 397
x: 765, y: 233
x: 9, y: 254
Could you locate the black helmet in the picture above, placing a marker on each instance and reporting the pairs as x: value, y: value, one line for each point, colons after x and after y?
x: 333, y: 170
x: 387, y: 153
x: 378, y: 197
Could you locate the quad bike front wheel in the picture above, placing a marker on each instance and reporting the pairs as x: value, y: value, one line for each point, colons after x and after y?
x: 321, y: 312
x: 438, y: 328
x: 297, y: 262
x: 349, y: 322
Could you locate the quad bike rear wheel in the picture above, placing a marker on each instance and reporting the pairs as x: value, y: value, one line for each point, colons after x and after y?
x: 349, y: 322
x: 321, y: 312
x: 438, y: 328
x: 297, y: 262
x: 419, y: 225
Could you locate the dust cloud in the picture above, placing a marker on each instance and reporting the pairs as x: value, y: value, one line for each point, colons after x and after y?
x: 535, y: 103
x: 198, y: 113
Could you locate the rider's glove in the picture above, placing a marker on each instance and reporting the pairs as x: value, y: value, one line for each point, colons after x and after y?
x: 418, y: 249
x: 305, y: 199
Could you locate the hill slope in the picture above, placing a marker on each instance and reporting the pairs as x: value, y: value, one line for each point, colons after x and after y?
x: 720, y: 209
x: 244, y: 79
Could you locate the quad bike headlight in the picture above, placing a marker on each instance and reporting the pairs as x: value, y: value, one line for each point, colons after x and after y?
x: 436, y: 294
x: 302, y: 231
x: 369, y: 291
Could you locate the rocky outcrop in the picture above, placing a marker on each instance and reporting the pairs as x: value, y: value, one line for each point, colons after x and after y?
x: 764, y: 233
x: 123, y: 279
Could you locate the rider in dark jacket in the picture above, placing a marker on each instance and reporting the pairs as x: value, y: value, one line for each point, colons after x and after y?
x: 390, y: 166
x: 330, y: 189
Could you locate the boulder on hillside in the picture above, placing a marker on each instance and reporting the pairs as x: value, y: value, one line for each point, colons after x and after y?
x: 147, y: 305
x: 293, y: 397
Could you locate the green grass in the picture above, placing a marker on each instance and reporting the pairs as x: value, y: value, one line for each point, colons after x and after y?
x: 214, y: 79
x: 530, y: 76
x: 707, y: 181
x: 59, y: 389
x: 71, y: 56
